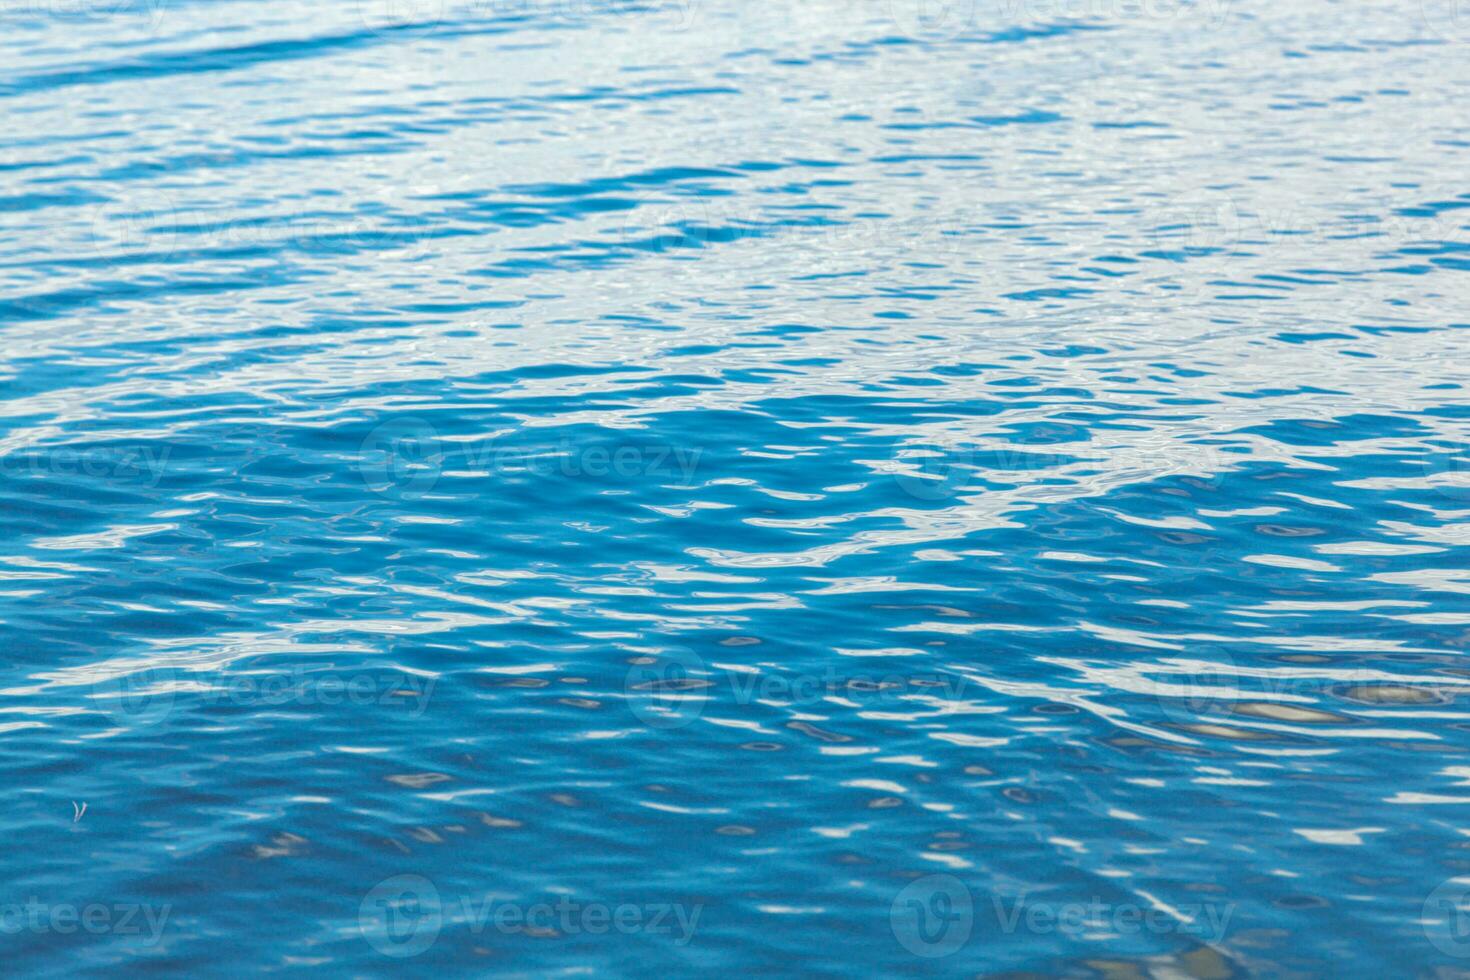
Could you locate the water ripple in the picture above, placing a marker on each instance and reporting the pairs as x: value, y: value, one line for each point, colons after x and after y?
x: 544, y: 486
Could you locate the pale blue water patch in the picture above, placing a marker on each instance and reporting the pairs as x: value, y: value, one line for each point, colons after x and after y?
x: 558, y: 487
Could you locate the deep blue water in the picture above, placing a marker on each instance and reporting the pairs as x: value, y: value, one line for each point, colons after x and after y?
x: 829, y: 488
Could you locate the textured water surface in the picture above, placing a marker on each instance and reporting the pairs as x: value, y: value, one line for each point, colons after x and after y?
x: 594, y: 487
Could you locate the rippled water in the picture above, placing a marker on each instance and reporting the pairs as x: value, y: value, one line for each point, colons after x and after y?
x: 538, y: 487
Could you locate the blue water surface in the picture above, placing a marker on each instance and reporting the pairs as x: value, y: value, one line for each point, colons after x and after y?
x: 817, y: 488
